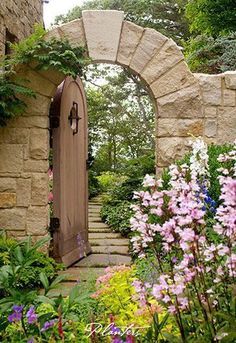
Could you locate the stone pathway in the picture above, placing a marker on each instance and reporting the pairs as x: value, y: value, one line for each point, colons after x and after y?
x: 108, y: 249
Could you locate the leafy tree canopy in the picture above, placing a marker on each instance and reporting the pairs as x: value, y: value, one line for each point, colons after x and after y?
x: 212, y: 17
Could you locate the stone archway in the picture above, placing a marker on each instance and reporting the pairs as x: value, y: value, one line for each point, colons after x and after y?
x: 156, y: 59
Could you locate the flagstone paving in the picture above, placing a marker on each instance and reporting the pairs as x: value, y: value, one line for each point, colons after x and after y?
x: 108, y: 249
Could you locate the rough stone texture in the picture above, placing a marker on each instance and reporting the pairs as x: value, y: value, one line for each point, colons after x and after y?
x: 102, y: 31
x: 36, y: 166
x: 18, y: 17
x: 185, y: 103
x: 226, y: 125
x: 175, y: 79
x: 39, y: 189
x: 7, y: 200
x: 23, y: 192
x: 150, y: 43
x: 13, y: 219
x: 219, y: 103
x: 167, y: 57
x: 74, y: 32
x: 210, y: 128
x: 230, y: 79
x: 8, y: 185
x: 39, y: 144
x: 211, y: 88
x: 229, y: 97
x: 170, y: 149
x: 34, y: 80
x: 179, y: 127
x: 37, y: 220
x: 130, y: 37
x: 11, y: 158
x: 210, y: 111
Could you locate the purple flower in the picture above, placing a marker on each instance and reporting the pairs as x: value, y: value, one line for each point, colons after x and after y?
x: 31, y: 340
x: 18, y: 308
x: 117, y: 339
x: 48, y: 325
x: 115, y: 330
x: 31, y: 315
x: 16, y: 314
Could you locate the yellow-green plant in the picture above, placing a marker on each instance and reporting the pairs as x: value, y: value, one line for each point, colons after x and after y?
x: 120, y: 303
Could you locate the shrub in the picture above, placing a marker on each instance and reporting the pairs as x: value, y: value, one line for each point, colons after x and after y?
x: 125, y: 189
x: 123, y: 306
x: 138, y: 167
x: 28, y: 262
x: 109, y: 180
x: 93, y: 184
x: 117, y: 215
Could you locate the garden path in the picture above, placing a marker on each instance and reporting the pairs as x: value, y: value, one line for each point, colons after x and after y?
x: 108, y: 249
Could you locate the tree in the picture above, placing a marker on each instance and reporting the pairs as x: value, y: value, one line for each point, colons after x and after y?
x: 212, y: 47
x: 211, y: 17
x: 121, y: 119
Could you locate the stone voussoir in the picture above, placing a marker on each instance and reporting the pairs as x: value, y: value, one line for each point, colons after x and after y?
x: 102, y: 31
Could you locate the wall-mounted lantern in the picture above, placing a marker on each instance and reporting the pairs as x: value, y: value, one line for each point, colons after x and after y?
x: 74, y: 118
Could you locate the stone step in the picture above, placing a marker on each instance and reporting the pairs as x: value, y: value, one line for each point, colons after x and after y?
x: 103, y: 235
x: 109, y: 241
x: 94, y: 215
x: 113, y: 249
x: 76, y: 274
x: 94, y: 210
x: 95, y: 220
x: 98, y: 225
x: 103, y: 260
x: 99, y: 230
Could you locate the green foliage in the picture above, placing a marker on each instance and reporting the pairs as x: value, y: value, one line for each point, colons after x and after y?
x: 10, y: 103
x: 66, y: 326
x: 116, y: 211
x: 211, y: 55
x: 52, y: 53
x: 93, y: 184
x: 212, y: 17
x: 117, y: 215
x: 41, y: 54
x: 137, y: 167
x: 21, y: 264
x: 125, y: 189
x: 121, y: 118
x: 109, y: 180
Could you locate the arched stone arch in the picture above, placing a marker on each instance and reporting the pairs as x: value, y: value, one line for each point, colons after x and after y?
x: 160, y: 64
x: 24, y: 143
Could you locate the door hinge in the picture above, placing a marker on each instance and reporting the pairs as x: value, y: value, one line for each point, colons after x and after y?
x: 54, y: 122
x: 54, y: 224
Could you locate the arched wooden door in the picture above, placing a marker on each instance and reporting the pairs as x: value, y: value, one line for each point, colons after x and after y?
x: 68, y: 117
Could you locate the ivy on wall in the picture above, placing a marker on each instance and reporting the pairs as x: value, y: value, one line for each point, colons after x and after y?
x: 46, y: 54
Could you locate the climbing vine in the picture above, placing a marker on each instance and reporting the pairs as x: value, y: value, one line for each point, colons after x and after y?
x: 46, y: 54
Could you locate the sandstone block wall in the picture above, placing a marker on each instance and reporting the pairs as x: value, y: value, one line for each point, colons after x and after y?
x: 18, y: 17
x: 218, y: 94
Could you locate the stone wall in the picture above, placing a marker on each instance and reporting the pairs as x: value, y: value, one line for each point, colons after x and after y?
x: 185, y: 103
x: 219, y: 99
x: 17, y: 17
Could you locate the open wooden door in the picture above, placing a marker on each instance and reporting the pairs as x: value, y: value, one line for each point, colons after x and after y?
x: 68, y: 117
